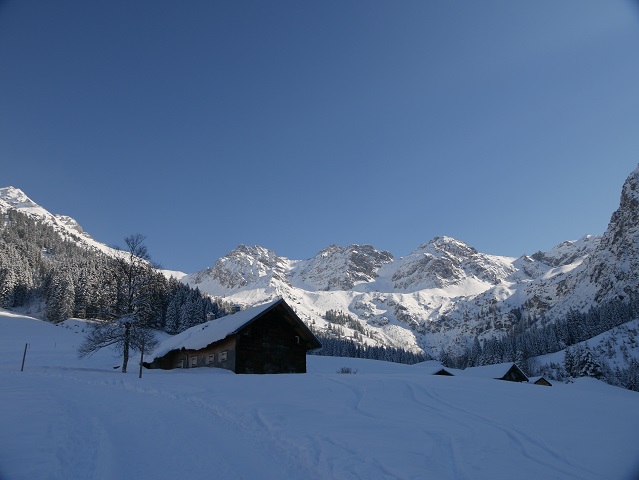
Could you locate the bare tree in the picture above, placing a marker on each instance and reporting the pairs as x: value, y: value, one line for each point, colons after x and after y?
x: 127, y: 324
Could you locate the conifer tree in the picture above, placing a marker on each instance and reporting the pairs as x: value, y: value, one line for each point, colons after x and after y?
x: 60, y: 297
x: 586, y: 365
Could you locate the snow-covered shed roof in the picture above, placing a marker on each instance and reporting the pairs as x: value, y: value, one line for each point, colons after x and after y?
x: 541, y: 380
x: 433, y: 367
x: 200, y: 336
x: 498, y: 371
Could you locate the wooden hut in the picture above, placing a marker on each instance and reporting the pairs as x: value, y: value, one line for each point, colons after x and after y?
x: 500, y: 371
x: 540, y: 381
x: 268, y: 338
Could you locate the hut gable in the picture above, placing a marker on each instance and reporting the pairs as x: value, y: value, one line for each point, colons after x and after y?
x: 501, y: 371
x: 433, y: 367
x: 269, y: 338
x: 540, y: 381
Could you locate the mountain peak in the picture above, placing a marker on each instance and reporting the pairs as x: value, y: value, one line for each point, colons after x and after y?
x: 252, y: 251
x: 341, y: 268
x: 449, y: 245
x: 12, y: 197
x: 67, y: 227
x: 16, y: 198
x: 242, y: 266
x: 630, y: 192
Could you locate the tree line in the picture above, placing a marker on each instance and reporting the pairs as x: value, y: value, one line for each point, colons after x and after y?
x: 335, y: 345
x: 60, y: 277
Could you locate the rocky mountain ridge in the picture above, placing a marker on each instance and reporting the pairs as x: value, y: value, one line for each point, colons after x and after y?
x: 443, y: 292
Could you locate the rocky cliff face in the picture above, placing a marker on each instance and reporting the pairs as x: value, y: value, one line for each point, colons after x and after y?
x: 568, y: 252
x: 245, y: 266
x: 334, y: 268
x: 614, y: 267
x: 445, y: 261
x: 593, y: 270
x: 341, y: 268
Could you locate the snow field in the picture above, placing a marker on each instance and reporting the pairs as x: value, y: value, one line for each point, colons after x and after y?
x: 64, y: 418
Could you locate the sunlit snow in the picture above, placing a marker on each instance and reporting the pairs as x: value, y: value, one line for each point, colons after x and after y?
x: 64, y: 418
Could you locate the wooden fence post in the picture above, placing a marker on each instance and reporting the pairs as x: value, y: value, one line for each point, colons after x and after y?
x: 24, y: 356
x: 141, y: 358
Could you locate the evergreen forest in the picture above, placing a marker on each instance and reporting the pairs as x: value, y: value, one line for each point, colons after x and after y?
x: 56, y: 277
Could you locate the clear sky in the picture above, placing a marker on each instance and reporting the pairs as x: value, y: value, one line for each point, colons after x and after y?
x: 298, y: 124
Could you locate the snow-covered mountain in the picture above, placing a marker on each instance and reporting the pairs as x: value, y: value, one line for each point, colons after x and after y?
x: 445, y: 292
x: 67, y: 227
x: 441, y: 290
x: 408, y: 301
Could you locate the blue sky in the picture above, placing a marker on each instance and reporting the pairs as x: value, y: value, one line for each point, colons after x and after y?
x: 295, y: 125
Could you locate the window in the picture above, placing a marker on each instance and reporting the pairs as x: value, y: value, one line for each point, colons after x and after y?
x: 223, y: 356
x: 193, y: 362
x: 179, y: 363
x: 211, y: 358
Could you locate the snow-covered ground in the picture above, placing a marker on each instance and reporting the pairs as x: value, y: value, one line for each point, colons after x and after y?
x: 64, y: 418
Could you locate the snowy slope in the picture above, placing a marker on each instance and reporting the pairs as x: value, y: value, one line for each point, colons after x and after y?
x: 66, y: 419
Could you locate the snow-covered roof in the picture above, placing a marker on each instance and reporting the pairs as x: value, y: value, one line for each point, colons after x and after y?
x: 536, y: 379
x: 431, y: 367
x: 206, y: 333
x: 497, y: 370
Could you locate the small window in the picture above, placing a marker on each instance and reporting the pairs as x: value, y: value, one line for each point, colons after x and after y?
x: 193, y: 362
x: 223, y: 356
x: 179, y: 364
x: 211, y: 358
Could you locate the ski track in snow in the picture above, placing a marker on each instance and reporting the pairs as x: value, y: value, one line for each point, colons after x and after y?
x: 524, y: 443
x: 96, y: 438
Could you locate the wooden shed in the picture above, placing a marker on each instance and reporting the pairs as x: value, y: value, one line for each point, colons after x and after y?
x: 540, y: 381
x: 269, y: 338
x: 500, y: 371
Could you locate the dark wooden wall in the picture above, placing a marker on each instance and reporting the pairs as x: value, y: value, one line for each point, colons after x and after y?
x: 270, y: 345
